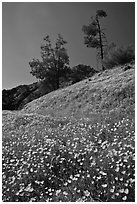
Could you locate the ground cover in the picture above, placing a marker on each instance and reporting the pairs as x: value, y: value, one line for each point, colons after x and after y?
x: 74, y: 156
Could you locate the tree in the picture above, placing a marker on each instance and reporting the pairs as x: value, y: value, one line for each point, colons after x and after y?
x: 94, y: 35
x: 54, y: 64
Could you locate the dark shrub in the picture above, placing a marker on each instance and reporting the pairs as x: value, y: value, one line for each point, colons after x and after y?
x: 81, y: 72
x: 118, y: 56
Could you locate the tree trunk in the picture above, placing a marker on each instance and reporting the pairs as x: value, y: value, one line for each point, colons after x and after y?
x: 101, y: 44
x: 58, y: 74
x: 57, y: 79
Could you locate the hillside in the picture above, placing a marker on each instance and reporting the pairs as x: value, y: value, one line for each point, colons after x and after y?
x: 16, y: 98
x: 73, y: 144
x: 111, y: 90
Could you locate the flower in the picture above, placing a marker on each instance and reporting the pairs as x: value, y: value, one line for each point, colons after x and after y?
x: 124, y: 198
x: 104, y: 185
x: 87, y: 193
x: 126, y: 191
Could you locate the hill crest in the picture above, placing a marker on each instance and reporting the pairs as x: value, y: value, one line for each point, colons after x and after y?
x: 108, y: 90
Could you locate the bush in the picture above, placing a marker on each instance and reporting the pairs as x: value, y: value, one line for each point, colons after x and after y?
x: 118, y: 56
x: 81, y: 72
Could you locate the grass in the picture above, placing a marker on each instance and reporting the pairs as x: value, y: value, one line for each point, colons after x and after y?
x: 55, y: 156
x: 106, y: 91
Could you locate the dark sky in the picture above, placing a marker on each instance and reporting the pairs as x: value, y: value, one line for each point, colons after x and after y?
x: 25, y: 24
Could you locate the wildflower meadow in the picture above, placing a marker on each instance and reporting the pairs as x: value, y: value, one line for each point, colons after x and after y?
x: 62, y: 160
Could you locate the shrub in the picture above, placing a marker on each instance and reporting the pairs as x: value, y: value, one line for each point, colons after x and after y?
x: 81, y: 72
x: 118, y: 56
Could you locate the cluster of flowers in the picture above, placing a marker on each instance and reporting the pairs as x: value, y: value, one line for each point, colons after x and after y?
x: 51, y: 160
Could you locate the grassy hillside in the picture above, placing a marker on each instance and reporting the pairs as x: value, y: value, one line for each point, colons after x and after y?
x: 104, y: 92
x: 74, y: 144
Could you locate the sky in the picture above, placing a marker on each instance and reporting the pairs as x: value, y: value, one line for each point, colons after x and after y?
x: 25, y: 24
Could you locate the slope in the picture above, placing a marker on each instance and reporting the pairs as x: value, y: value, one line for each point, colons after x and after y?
x: 74, y: 144
x: 104, y: 92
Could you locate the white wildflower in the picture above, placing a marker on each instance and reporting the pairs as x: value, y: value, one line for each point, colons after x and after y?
x: 124, y: 198
x: 121, y: 190
x: 117, y: 169
x: 104, y: 185
x: 126, y: 191
x: 87, y: 193
x: 65, y: 193
x: 112, y: 190
x: 103, y: 173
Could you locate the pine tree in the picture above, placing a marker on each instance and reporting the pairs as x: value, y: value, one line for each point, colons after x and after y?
x: 94, y: 35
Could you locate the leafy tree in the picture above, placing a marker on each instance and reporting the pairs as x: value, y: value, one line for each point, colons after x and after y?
x: 54, y: 64
x: 114, y: 55
x: 94, y: 35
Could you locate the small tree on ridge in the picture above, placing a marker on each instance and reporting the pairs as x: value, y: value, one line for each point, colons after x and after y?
x: 54, y: 64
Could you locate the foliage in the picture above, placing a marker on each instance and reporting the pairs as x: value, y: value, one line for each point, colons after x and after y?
x: 14, y: 99
x: 94, y: 35
x: 81, y: 72
x: 54, y: 64
x: 118, y: 55
x: 101, y: 13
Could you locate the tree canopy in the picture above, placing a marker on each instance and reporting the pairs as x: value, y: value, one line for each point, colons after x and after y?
x: 54, y: 64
